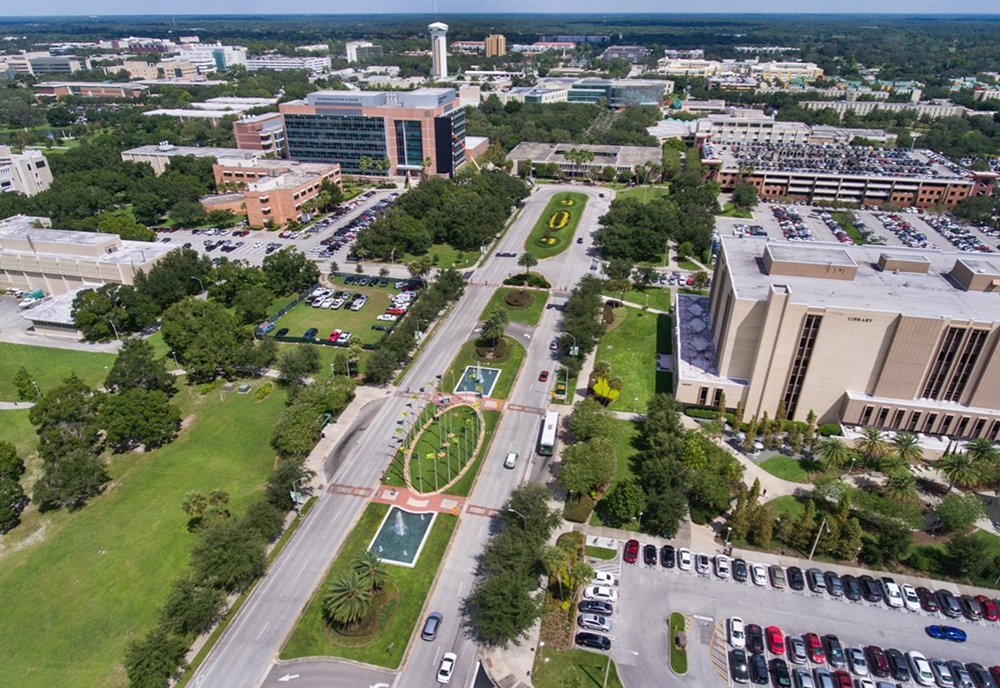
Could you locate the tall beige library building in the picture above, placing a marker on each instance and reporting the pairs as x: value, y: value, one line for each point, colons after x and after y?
x: 899, y: 338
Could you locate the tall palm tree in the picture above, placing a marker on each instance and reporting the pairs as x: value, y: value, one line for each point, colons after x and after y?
x: 871, y: 445
x: 906, y: 447
x: 527, y: 261
x: 347, y: 599
x: 601, y: 369
x: 835, y: 452
x: 496, y: 324
x: 959, y: 469
x: 371, y: 570
x: 902, y: 487
x: 982, y: 451
x: 420, y: 267
x: 554, y: 560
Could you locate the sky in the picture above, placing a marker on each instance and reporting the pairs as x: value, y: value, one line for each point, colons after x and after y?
x: 240, y: 7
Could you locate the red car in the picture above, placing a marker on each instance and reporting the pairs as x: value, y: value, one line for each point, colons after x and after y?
x: 631, y: 551
x: 990, y: 609
x: 334, y: 336
x: 775, y: 640
x: 815, y: 648
x: 394, y: 311
x: 995, y: 673
x: 543, y: 376
x: 878, y: 664
x: 842, y: 679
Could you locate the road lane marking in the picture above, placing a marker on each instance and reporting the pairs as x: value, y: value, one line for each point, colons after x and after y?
x: 263, y: 628
x: 304, y: 564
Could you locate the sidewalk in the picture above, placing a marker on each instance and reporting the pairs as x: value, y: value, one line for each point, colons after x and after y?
x: 15, y: 405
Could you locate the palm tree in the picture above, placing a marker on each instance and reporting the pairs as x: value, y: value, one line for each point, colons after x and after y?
x: 959, y: 469
x: 601, y: 369
x: 420, y: 267
x: 527, y: 261
x: 871, y: 445
x: 554, y: 561
x: 906, y: 447
x: 902, y: 487
x: 354, y: 351
x: 982, y: 451
x: 496, y: 324
x: 835, y: 452
x: 348, y: 598
x: 371, y: 570
x: 365, y: 164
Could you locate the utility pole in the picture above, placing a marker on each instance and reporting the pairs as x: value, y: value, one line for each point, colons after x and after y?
x: 818, y: 534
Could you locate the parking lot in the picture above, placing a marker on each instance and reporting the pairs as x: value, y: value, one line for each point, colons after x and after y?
x: 647, y: 595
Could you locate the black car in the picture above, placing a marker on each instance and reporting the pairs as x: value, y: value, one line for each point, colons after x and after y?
x: 870, y: 589
x: 834, y: 585
x: 980, y: 676
x: 310, y: 333
x: 594, y: 640
x: 668, y: 557
x: 898, y: 667
x: 649, y: 555
x: 739, y: 571
x: 950, y: 606
x: 779, y: 673
x: 349, y: 279
x: 380, y: 328
x: 598, y: 607
x: 834, y: 651
x: 738, y: 666
x: 282, y: 332
x: 971, y: 609
x: 796, y: 581
x: 852, y: 588
x: 758, y: 670
x: 755, y: 639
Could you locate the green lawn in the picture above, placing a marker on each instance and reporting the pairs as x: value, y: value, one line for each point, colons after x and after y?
x: 574, y: 669
x: 448, y: 257
x: 644, y: 193
x: 846, y: 220
x: 685, y: 264
x: 18, y: 430
x: 94, y: 579
x: 529, y: 314
x: 311, y: 638
x: 601, y: 553
x: 48, y: 367
x: 730, y: 210
x: 631, y: 349
x: 463, y: 485
x: 160, y: 348
x: 659, y: 298
x: 358, y: 323
x: 562, y: 236
x: 627, y: 440
x: 790, y: 467
x: 788, y: 506
x: 678, y: 657
x: 467, y: 356
x: 432, y: 465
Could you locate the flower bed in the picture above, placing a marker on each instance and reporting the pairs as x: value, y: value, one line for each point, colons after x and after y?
x: 559, y: 219
x: 567, y: 201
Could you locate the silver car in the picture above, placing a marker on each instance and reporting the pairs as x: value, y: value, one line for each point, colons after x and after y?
x: 594, y: 622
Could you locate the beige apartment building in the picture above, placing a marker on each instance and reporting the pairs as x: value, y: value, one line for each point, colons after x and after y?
x: 495, y: 45
x: 898, y: 338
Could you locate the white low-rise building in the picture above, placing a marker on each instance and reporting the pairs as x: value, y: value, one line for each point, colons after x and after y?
x: 27, y: 172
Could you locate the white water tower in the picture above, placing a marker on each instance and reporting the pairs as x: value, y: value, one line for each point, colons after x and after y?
x: 439, y: 50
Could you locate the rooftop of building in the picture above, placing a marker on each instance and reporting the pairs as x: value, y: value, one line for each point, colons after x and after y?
x: 200, y: 114
x: 622, y: 156
x: 417, y: 98
x: 291, y: 175
x: 931, y: 294
x: 265, y: 117
x: 839, y: 159
x: 20, y: 227
x: 90, y: 84
x: 199, y: 151
x: 58, y: 309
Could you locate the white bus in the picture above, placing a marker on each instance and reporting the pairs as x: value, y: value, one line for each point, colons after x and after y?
x: 548, y: 442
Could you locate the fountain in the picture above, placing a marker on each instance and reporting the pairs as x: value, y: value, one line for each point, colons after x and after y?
x: 401, y: 535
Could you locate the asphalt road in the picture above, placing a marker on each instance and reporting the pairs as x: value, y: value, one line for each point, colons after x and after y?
x: 244, y: 654
x: 648, y: 595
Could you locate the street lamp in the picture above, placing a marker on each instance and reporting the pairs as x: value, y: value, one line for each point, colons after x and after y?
x: 851, y: 469
x: 331, y: 370
x: 524, y: 521
x: 818, y: 534
x: 640, y: 521
x: 202, y: 284
x: 37, y: 392
x: 174, y: 354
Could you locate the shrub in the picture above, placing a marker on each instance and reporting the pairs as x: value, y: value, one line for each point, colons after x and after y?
x: 264, y: 391
x: 532, y: 280
x: 578, y: 508
x: 705, y: 414
x: 829, y: 430
x: 209, y: 386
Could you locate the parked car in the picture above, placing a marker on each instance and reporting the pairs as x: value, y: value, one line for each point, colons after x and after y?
x: 755, y: 639
x: 856, y: 661
x: 852, y: 588
x: 631, y: 554
x: 775, y: 640
x: 796, y: 581
x: 447, y: 667
x: 684, y: 559
x: 942, y: 674
x: 898, y: 666
x: 823, y: 678
x: 603, y: 578
x: 738, y: 666
x: 892, y: 594
x: 991, y: 610
x: 803, y: 679
x: 878, y: 663
x: 282, y: 332
x: 722, y: 566
x: 758, y: 670
x: 920, y: 668
x: 594, y: 622
x: 594, y: 641
x: 817, y: 583
x: 870, y: 590
x: 596, y: 607
x: 797, y: 649
x: 928, y: 600
x: 668, y: 556
x: 910, y: 598
x: 737, y: 633
x: 834, y: 651
x: 834, y: 586
x: 971, y: 608
x: 701, y: 563
x: 815, y: 648
x: 649, y: 555
x: 779, y: 673
x: 842, y: 679
x: 600, y: 592
x: 758, y: 575
x: 963, y: 679
x: 310, y: 333
x: 949, y: 604
x: 739, y: 570
x: 777, y: 575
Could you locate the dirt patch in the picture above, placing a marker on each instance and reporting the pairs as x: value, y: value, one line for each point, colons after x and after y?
x: 36, y: 537
x: 518, y: 299
x: 557, y: 625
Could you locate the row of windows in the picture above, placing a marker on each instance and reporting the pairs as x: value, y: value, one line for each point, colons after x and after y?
x: 918, y: 422
x: 953, y: 364
x: 807, y: 340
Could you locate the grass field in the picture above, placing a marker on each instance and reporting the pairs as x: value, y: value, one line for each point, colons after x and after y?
x: 631, y: 349
x: 658, y: 297
x: 358, y: 323
x: 92, y: 580
x: 627, y: 440
x: 429, y: 470
x: 529, y: 314
x: 562, y: 236
x: 846, y: 221
x: 730, y: 210
x: 18, y: 430
x: 448, y: 257
x: 49, y: 367
x: 602, y: 553
x: 644, y: 193
x: 790, y: 467
x: 685, y: 264
x: 574, y: 669
x: 678, y: 657
x: 311, y: 638
x: 509, y: 366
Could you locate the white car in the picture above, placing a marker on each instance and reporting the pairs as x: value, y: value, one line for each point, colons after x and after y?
x: 344, y: 338
x: 737, y: 633
x: 893, y: 596
x: 864, y: 683
x: 684, y: 559
x: 856, y: 660
x: 257, y: 244
x: 385, y: 317
x: 603, y: 578
x: 701, y: 563
x: 326, y: 303
x: 722, y: 566
x: 511, y: 460
x: 359, y: 304
x: 758, y: 574
x: 910, y: 598
x: 600, y: 592
x: 447, y: 667
x: 336, y: 304
x: 921, y: 669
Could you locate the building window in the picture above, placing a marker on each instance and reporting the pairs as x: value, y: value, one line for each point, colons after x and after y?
x: 931, y: 420
x: 977, y: 431
x: 966, y: 362
x: 703, y: 396
x: 946, y: 424
x: 962, y: 425
x: 914, y: 419
x: 942, y: 362
x: 883, y: 415
x: 866, y: 415
x: 897, y: 419
x: 807, y: 339
x: 995, y: 431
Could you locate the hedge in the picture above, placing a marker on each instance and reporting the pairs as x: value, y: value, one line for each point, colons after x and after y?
x: 533, y: 280
x: 829, y: 430
x: 579, y: 510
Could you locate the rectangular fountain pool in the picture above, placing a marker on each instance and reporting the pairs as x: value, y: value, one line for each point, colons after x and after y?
x: 478, y: 379
x: 401, y: 536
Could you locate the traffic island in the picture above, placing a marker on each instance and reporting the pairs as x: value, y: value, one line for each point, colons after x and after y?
x: 678, y: 644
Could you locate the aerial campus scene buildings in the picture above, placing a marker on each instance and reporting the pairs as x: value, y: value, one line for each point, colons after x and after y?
x: 499, y: 350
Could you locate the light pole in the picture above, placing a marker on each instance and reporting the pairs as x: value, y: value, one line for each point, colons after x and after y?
x: 640, y: 522
x: 202, y: 284
x: 851, y: 469
x: 37, y: 392
x: 729, y: 529
x: 524, y: 521
x: 174, y: 354
x: 331, y: 370
x: 818, y: 534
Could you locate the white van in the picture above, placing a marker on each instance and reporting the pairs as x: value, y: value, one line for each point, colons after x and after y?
x: 511, y: 460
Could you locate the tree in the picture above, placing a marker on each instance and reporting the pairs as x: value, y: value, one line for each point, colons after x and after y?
x: 902, y: 487
x: 495, y: 325
x: 289, y: 271
x: 959, y: 469
x: 745, y: 196
x: 191, y: 608
x: 205, y: 509
x: 372, y: 571
x: 297, y: 363
x: 700, y: 279
x: 850, y: 541
x: 894, y: 539
x: 959, y: 511
x: 761, y: 530
x: 228, y: 555
x: 348, y: 598
x: 153, y: 660
x: 206, y: 338
x: 173, y: 277
x: 420, y: 267
x: 588, y: 466
x: 871, y: 445
x: 136, y: 367
x: 527, y: 260
x: 536, y: 519
x: 805, y: 528
x: 265, y: 519
x: 981, y: 451
x: 590, y: 419
x: 965, y: 554
x: 124, y: 226
x: 12, y: 497
x: 556, y: 562
x: 502, y: 608
x: 251, y: 304
x: 187, y: 213
x: 139, y: 417
x: 834, y: 452
x: 905, y: 446
x: 25, y: 385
